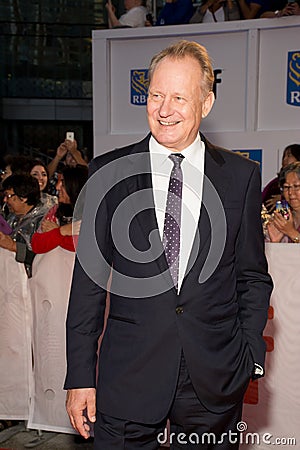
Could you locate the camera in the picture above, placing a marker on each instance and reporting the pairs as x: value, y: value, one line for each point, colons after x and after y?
x: 70, y: 135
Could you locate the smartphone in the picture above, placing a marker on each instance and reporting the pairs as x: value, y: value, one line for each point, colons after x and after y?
x: 4, y: 227
x: 70, y: 135
x: 282, y: 207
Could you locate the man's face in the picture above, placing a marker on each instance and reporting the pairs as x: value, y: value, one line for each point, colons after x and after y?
x: 175, y: 106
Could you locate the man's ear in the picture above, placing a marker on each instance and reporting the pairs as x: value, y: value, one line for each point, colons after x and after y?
x: 208, y: 104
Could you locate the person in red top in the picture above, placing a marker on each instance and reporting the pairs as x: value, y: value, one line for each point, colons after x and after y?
x: 56, y: 229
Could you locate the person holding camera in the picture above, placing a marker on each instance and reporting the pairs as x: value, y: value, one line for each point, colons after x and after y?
x: 272, y: 193
x: 285, y: 225
x: 67, y: 154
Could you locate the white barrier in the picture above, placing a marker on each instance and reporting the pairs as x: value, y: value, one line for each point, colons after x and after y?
x: 276, y: 416
x: 15, y: 339
x: 32, y: 339
x: 50, y: 288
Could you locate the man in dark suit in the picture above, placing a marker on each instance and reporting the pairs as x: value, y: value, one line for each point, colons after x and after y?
x: 175, y: 221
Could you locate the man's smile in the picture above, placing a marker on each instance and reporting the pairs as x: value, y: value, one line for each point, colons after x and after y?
x: 167, y: 124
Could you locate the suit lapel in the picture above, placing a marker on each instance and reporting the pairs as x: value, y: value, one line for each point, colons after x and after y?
x: 141, y: 183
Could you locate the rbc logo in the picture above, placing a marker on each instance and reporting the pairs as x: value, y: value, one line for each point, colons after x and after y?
x: 293, y: 79
x: 139, y: 83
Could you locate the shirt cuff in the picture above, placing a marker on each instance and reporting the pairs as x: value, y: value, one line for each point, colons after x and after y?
x: 258, y: 371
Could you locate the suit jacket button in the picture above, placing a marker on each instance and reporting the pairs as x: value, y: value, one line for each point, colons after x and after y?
x: 179, y: 310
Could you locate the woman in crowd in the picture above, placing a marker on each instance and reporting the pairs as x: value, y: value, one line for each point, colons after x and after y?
x: 40, y: 172
x: 56, y: 227
x: 22, y: 196
x: 271, y: 192
x: 286, y: 228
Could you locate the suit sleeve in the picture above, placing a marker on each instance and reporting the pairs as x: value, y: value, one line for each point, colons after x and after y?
x: 254, y: 284
x: 85, y: 318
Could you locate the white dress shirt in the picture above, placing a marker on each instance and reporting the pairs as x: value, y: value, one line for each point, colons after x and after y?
x: 193, y: 171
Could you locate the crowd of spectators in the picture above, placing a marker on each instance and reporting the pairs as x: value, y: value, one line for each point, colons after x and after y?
x: 35, y: 218
x: 281, y: 200
x: 177, y: 12
x: 271, y: 193
x: 37, y: 203
x: 285, y: 223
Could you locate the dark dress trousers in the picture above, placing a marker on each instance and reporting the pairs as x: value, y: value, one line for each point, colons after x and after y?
x: 217, y: 321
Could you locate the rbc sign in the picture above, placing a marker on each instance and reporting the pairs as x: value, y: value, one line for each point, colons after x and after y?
x: 293, y: 78
x: 139, y: 83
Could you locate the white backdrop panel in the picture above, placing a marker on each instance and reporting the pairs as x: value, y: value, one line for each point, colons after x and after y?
x: 273, y: 110
x: 250, y: 111
x: 128, y: 54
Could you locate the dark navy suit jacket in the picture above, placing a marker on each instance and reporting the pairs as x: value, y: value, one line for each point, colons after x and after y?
x: 218, y: 318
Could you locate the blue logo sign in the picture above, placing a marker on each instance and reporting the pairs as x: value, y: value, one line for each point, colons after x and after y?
x: 139, y: 83
x: 293, y: 79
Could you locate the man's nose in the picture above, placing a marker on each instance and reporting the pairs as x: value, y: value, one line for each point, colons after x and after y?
x: 166, y: 107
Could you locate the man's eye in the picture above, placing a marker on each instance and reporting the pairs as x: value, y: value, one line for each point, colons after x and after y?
x: 156, y: 96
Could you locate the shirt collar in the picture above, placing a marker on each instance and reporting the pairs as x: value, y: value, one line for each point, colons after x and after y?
x: 190, y: 153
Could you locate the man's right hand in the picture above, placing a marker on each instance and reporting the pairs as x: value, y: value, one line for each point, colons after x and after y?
x: 79, y: 400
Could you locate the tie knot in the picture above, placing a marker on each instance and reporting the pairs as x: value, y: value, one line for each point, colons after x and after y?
x: 176, y: 159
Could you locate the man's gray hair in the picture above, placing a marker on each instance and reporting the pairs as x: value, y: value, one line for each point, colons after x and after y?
x: 182, y: 49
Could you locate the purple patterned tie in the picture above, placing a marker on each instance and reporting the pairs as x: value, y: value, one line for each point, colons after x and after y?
x: 171, y: 235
